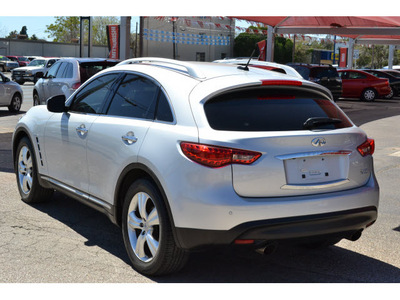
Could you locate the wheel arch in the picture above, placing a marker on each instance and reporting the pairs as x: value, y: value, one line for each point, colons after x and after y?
x: 17, y: 137
x: 130, y: 174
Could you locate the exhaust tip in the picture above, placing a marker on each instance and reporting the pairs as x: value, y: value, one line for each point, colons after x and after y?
x: 355, y: 236
x: 268, y: 248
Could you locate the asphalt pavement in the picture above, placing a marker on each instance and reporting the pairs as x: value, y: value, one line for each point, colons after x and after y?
x: 64, y: 241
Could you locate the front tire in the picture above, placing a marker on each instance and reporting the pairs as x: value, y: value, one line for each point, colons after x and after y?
x: 147, y: 231
x: 368, y: 95
x: 15, y: 104
x: 27, y: 174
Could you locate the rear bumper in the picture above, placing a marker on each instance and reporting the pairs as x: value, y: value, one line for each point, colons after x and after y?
x: 342, y: 224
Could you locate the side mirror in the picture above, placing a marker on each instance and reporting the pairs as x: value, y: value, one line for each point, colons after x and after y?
x: 40, y: 75
x: 56, y: 104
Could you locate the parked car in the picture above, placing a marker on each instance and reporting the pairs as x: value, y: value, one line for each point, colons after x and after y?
x: 11, y: 94
x: 394, y: 82
x: 360, y: 84
x: 395, y: 73
x: 6, y: 64
x: 66, y: 75
x: 325, y: 75
x: 189, y: 155
x: 32, y: 72
x: 270, y: 66
x: 21, y: 60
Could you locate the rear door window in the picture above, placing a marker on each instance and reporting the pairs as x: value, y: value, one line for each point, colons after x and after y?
x: 273, y: 110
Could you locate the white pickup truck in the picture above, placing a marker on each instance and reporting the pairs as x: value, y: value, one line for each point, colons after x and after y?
x: 32, y: 72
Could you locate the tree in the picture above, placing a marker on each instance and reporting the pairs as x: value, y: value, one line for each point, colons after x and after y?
x: 67, y: 29
x: 12, y: 35
x: 245, y: 43
x: 100, y: 29
x: 64, y: 30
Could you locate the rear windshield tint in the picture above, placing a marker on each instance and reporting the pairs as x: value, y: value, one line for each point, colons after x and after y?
x: 273, y: 110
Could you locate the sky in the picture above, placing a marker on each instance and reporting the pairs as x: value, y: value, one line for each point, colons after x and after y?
x: 35, y: 25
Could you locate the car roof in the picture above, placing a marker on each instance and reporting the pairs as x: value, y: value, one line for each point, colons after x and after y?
x: 202, y: 70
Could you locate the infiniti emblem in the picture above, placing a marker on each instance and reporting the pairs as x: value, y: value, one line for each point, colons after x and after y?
x: 318, y: 142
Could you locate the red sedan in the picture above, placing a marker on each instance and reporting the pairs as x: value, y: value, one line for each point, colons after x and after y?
x: 360, y: 84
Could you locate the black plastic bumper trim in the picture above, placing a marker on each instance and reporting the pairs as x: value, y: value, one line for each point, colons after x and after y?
x: 341, y: 224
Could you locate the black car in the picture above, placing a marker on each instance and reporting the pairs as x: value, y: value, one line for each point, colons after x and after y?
x: 325, y: 75
x: 394, y: 81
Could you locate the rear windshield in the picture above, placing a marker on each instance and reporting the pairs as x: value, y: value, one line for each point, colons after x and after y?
x: 88, y: 69
x: 273, y: 110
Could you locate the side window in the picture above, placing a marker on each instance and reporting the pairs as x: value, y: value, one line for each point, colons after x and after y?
x: 91, y: 98
x: 51, y: 73
x: 61, y: 70
x: 164, y: 112
x: 136, y: 97
x: 68, y: 73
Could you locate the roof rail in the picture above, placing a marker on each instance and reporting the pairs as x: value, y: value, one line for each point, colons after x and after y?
x: 189, y: 68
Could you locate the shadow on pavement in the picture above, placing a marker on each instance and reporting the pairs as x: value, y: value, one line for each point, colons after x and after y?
x: 365, y: 112
x: 6, y: 163
x: 225, y: 265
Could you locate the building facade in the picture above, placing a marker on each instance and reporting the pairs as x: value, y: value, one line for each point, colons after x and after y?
x: 188, y: 38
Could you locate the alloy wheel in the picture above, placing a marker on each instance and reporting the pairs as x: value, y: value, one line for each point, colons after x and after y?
x: 143, y: 227
x: 25, y: 170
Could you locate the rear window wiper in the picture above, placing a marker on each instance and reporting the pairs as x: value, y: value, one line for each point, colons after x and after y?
x: 315, y: 122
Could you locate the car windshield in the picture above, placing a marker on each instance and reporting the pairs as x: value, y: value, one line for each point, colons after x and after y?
x: 21, y: 58
x: 37, y: 63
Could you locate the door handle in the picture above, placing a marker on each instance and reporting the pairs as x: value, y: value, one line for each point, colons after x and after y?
x: 129, y: 138
x: 81, y: 130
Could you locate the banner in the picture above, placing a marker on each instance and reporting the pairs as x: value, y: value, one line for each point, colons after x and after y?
x: 113, y: 41
x: 262, y: 46
x: 184, y: 38
x: 342, y: 57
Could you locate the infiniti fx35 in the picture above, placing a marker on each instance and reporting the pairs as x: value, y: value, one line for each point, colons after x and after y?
x: 188, y: 155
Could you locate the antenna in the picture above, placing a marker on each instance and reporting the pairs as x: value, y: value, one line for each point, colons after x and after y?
x: 246, y: 67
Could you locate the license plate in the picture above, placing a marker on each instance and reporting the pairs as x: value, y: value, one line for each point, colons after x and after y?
x: 316, y: 169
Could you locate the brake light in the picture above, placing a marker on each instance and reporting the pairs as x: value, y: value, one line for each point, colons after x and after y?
x: 216, y: 157
x: 367, y: 148
x: 76, y: 85
x: 281, y: 82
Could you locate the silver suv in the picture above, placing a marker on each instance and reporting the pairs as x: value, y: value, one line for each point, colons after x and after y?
x: 66, y: 75
x: 188, y: 155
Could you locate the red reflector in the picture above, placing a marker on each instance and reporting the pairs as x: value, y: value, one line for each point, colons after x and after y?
x: 281, y: 82
x: 367, y: 148
x: 216, y: 157
x: 244, y: 242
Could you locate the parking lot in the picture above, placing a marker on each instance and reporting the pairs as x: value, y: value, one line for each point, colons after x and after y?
x: 64, y: 241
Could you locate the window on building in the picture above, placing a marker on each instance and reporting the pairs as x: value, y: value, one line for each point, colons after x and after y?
x: 200, y: 56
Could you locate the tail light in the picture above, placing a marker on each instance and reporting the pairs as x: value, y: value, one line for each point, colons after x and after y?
x: 76, y: 85
x: 216, y: 157
x: 367, y: 148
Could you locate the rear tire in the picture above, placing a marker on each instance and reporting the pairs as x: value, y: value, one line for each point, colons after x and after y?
x: 27, y: 174
x: 147, y: 231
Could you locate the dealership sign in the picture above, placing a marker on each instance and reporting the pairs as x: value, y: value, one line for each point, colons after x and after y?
x: 113, y: 41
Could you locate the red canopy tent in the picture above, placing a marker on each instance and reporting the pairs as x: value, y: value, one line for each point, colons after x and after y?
x: 361, y: 29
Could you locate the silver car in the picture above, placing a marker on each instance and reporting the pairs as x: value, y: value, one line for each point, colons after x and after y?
x: 187, y: 155
x: 66, y: 75
x: 11, y: 94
